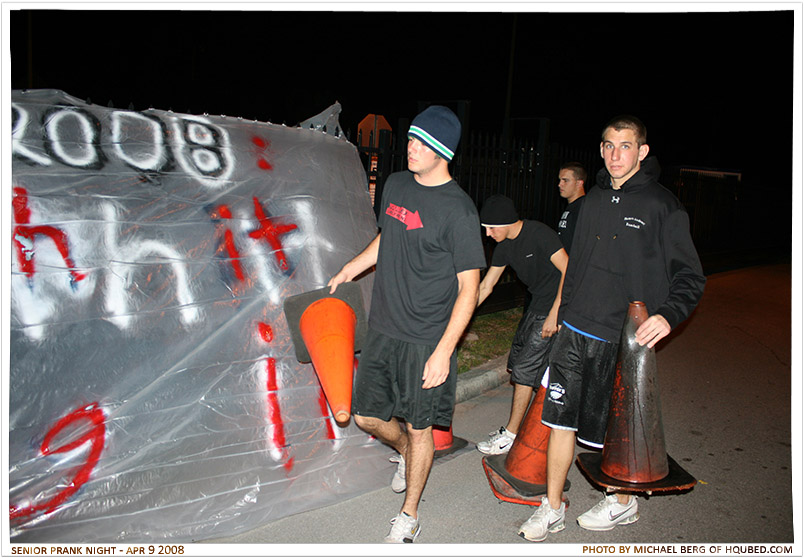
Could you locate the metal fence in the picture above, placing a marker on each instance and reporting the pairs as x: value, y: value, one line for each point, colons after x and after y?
x: 711, y: 199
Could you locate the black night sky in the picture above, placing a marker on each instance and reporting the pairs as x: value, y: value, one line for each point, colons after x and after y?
x: 715, y: 89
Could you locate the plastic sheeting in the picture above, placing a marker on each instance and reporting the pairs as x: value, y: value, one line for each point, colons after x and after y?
x: 154, y: 391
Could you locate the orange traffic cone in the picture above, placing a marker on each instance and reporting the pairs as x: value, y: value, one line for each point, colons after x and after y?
x: 520, y: 476
x: 327, y: 330
x: 445, y: 443
x: 634, y: 449
x: 634, y: 458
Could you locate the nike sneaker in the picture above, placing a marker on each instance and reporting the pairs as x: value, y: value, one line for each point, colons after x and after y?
x: 499, y: 442
x: 544, y: 520
x: 398, y: 483
x: 404, y: 529
x: 608, y: 513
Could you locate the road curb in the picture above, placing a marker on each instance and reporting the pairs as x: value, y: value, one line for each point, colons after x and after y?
x: 483, y: 378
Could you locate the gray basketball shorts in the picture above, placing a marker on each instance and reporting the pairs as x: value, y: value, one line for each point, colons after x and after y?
x: 388, y: 383
x: 529, y: 354
x: 580, y: 383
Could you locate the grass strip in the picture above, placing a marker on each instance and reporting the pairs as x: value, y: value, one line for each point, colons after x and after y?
x: 487, y: 337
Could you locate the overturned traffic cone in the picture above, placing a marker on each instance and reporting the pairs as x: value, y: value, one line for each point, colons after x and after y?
x: 634, y: 458
x: 327, y: 329
x: 445, y: 443
x: 520, y: 476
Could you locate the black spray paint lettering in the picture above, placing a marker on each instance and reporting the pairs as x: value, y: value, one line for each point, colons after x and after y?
x: 139, y: 141
x: 74, y: 137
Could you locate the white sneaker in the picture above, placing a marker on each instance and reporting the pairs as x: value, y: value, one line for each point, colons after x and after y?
x: 544, y: 520
x: 398, y: 483
x: 404, y: 529
x: 498, y: 442
x: 608, y: 513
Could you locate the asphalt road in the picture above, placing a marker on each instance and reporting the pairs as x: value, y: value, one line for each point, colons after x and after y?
x: 725, y: 381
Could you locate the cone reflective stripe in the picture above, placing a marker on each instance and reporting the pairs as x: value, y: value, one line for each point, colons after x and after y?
x: 520, y: 476
x: 634, y: 449
x: 328, y: 329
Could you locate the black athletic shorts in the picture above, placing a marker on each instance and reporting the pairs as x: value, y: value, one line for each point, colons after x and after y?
x: 388, y: 383
x: 581, y: 380
x: 529, y: 354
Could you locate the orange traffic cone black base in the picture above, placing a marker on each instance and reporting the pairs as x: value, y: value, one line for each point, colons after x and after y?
x: 678, y: 480
x: 296, y: 305
x: 326, y: 330
x: 508, y: 488
x: 445, y: 443
x: 520, y: 476
x: 634, y: 458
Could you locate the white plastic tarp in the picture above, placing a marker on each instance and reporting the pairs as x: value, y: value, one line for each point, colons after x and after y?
x: 154, y: 390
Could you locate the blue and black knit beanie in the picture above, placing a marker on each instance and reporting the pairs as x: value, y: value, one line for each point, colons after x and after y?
x: 439, y: 129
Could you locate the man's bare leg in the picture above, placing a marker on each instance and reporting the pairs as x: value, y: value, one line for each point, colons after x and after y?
x: 519, y: 405
x: 560, y: 451
x: 418, y: 462
x: 389, y: 432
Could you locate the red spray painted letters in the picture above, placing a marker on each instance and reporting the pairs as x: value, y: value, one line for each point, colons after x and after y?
x: 271, y: 233
x: 231, y: 248
x: 24, y: 235
x: 275, y: 414
x: 95, y: 435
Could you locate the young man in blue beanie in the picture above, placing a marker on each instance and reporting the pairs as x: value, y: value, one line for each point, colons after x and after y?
x: 428, y: 256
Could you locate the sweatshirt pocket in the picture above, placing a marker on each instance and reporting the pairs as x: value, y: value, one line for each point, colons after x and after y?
x: 601, y: 297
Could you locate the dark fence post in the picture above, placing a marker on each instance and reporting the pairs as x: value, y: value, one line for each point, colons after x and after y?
x: 385, y: 166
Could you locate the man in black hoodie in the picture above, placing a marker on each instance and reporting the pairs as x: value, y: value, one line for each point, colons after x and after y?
x: 632, y: 242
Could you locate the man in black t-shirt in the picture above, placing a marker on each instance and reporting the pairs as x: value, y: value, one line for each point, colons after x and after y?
x: 571, y: 187
x: 428, y: 256
x: 535, y: 253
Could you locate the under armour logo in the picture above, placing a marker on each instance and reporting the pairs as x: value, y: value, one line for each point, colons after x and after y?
x: 615, y: 199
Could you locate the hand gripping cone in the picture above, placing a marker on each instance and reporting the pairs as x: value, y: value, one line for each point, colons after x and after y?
x: 327, y: 329
x: 634, y: 458
x: 520, y: 476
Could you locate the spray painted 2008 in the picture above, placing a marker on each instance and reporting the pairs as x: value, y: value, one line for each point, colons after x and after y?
x: 74, y: 137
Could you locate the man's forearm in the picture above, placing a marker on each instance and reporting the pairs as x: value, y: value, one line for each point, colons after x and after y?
x: 487, y: 284
x: 462, y: 310
x: 357, y: 265
x: 366, y: 258
x: 559, y: 259
x: 437, y: 367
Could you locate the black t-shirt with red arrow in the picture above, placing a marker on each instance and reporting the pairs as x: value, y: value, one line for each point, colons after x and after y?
x: 429, y: 234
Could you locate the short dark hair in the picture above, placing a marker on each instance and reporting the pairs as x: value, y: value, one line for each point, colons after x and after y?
x: 628, y: 122
x: 576, y: 168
